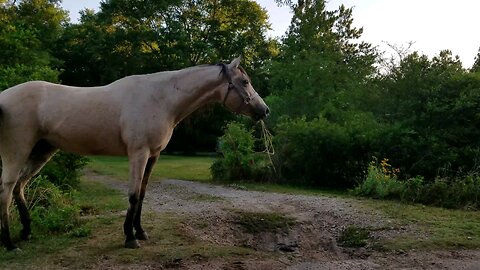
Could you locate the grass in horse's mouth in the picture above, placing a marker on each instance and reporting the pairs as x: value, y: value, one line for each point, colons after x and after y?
x: 268, y: 142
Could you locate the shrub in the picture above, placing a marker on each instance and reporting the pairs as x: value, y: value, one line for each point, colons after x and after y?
x: 457, y: 192
x: 51, y: 209
x: 324, y: 153
x: 238, y: 160
x: 354, y: 237
x: 381, y: 182
x: 64, y: 170
x: 450, y: 192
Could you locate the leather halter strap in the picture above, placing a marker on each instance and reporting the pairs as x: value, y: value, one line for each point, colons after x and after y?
x: 247, y: 99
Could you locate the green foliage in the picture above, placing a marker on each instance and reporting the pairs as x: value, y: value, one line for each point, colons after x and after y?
x: 254, y: 222
x: 52, y: 210
x: 28, y: 32
x: 453, y: 192
x: 354, y: 237
x: 476, y: 65
x: 381, y: 182
x: 319, y: 64
x: 433, y: 106
x: 64, y: 170
x: 13, y: 75
x: 323, y: 153
x: 238, y: 160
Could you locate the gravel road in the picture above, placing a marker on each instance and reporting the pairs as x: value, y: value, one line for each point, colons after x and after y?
x: 310, y: 244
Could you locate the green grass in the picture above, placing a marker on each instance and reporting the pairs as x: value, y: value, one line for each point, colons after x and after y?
x: 257, y: 222
x: 46, y: 249
x: 439, y: 228
x: 353, y: 236
x: 96, y: 198
x: 176, y: 167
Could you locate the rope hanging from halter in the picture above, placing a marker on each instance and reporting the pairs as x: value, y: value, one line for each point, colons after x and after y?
x: 268, y: 142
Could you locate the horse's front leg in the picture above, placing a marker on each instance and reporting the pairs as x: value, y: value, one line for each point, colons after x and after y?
x: 140, y: 234
x: 137, y: 161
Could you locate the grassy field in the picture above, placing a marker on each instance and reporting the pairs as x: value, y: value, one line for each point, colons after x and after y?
x: 177, y: 167
x: 104, y: 213
x: 440, y: 228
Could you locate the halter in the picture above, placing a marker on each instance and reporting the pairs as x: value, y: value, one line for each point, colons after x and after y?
x: 247, y: 99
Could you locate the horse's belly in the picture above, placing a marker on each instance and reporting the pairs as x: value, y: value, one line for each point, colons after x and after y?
x: 88, y: 144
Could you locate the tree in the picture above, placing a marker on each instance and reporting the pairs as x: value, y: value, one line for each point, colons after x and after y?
x: 320, y: 65
x: 431, y: 107
x: 28, y: 30
x: 476, y: 64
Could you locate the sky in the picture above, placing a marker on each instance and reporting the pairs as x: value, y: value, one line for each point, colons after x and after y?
x: 432, y: 25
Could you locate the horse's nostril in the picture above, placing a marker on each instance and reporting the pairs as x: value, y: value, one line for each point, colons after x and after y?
x: 267, y: 111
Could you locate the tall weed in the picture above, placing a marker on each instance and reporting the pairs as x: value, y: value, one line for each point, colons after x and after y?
x: 52, y: 210
x: 450, y: 192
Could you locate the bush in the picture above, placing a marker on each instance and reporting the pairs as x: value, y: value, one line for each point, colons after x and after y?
x: 454, y: 192
x: 381, y: 182
x: 324, y: 153
x: 64, y: 170
x: 52, y: 211
x: 238, y: 160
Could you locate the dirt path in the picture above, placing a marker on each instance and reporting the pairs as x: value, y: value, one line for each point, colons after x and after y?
x: 310, y: 244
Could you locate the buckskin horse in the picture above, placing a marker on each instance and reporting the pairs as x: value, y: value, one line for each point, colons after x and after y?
x: 134, y: 116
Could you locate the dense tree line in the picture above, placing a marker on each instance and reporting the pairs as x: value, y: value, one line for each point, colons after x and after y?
x: 335, y: 101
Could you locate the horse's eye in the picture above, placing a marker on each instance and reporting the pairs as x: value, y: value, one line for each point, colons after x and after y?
x: 245, y: 82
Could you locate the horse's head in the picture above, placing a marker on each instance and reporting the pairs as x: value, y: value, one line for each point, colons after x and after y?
x: 240, y: 96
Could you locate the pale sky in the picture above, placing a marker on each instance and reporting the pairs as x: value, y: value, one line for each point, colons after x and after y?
x: 432, y: 25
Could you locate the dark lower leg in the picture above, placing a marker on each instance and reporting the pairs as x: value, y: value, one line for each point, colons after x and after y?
x: 6, y: 198
x: 140, y: 232
x: 26, y: 232
x: 131, y: 240
x: 5, y: 236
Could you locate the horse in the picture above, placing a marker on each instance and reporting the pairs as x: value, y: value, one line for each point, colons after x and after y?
x: 134, y: 116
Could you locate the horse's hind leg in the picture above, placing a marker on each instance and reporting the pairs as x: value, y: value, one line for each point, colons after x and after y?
x: 18, y: 193
x: 10, y: 173
x: 41, y: 154
x: 140, y: 234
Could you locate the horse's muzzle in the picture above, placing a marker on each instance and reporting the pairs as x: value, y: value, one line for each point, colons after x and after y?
x: 261, y: 113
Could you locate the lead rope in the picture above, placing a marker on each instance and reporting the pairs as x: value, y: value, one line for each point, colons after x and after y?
x: 268, y: 142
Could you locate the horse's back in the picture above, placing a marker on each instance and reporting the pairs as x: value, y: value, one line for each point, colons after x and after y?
x: 75, y: 119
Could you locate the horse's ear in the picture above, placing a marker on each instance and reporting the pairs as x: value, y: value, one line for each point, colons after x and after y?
x: 235, y: 63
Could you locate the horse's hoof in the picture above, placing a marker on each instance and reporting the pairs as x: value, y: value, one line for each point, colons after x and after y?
x: 16, y: 250
x: 132, y: 244
x: 141, y: 236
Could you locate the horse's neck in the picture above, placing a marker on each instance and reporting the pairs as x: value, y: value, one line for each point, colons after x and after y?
x: 195, y: 87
